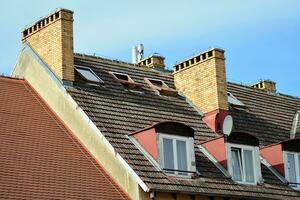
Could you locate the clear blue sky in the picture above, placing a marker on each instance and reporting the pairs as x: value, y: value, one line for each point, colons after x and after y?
x: 261, y: 37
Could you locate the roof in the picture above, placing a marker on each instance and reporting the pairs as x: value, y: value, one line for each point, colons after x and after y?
x: 40, y: 157
x: 117, y: 112
x: 267, y: 115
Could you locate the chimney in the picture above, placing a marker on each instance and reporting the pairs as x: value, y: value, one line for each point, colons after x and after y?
x: 267, y: 85
x: 202, y: 79
x: 154, y: 61
x: 52, y: 38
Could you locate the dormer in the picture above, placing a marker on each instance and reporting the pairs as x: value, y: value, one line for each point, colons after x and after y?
x: 285, y: 158
x: 238, y: 156
x: 160, y: 87
x: 170, y: 146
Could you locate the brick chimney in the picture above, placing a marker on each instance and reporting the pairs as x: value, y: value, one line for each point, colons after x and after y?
x: 267, y: 85
x: 202, y: 79
x: 154, y: 61
x: 52, y: 38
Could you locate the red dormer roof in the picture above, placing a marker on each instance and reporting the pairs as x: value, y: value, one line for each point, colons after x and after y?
x: 40, y: 156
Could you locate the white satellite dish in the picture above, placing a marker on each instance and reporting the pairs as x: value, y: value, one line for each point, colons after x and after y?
x: 227, y: 125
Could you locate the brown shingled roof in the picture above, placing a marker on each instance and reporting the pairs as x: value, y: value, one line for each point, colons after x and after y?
x: 40, y: 157
x: 267, y: 115
x: 117, y: 112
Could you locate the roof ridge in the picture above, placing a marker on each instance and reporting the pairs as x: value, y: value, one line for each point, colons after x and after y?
x: 116, y: 61
x: 106, y: 59
x: 10, y: 78
x: 264, y: 91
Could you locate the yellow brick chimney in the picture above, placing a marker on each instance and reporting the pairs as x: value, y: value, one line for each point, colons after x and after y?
x: 202, y: 79
x: 52, y: 38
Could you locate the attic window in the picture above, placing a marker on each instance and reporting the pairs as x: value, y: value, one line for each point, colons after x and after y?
x: 233, y: 100
x: 169, y: 146
x: 244, y: 163
x: 292, y: 168
x: 160, y: 87
x: 125, y: 80
x: 175, y: 154
x: 88, y: 74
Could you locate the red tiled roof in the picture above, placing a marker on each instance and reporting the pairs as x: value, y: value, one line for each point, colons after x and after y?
x: 39, y: 157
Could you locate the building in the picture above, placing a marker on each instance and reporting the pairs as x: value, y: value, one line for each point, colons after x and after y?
x: 40, y: 157
x: 181, y: 134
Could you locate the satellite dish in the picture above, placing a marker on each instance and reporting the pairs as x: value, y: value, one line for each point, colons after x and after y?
x: 227, y: 125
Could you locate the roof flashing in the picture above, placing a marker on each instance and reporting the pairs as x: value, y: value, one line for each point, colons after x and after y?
x: 234, y: 101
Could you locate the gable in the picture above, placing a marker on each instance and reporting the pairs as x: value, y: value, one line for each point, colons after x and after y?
x: 40, y: 157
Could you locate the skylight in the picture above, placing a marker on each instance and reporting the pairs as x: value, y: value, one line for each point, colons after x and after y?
x: 125, y: 80
x: 88, y: 74
x: 160, y: 87
x: 233, y: 100
x: 121, y: 76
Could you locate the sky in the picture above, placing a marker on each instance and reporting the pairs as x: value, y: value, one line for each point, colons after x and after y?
x: 261, y: 39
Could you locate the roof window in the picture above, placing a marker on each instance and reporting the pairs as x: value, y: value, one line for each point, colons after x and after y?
x: 169, y: 146
x: 160, y: 87
x: 292, y: 168
x: 88, y: 74
x: 233, y: 100
x: 177, y: 154
x: 244, y: 163
x: 125, y: 80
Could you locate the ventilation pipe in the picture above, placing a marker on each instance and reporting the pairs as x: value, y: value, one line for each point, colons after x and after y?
x: 134, y: 55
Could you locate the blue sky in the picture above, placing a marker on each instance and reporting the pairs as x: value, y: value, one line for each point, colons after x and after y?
x: 261, y: 38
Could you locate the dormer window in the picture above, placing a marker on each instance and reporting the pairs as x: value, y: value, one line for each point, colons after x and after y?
x: 169, y: 146
x: 292, y: 168
x: 125, y: 80
x: 237, y: 156
x: 175, y: 153
x: 88, y: 74
x: 160, y: 87
x: 242, y: 163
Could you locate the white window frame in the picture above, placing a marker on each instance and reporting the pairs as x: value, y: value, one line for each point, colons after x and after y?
x: 256, y: 162
x: 286, y: 172
x: 189, y: 151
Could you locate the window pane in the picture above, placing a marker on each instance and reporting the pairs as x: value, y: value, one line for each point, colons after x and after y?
x: 291, y: 168
x: 181, y: 156
x: 249, y: 168
x: 236, y: 164
x: 88, y: 75
x: 168, y: 154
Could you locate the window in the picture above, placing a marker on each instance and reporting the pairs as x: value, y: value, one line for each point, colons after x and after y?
x: 88, y: 74
x: 177, y: 155
x: 160, y: 87
x: 125, y: 80
x: 244, y: 163
x: 292, y: 168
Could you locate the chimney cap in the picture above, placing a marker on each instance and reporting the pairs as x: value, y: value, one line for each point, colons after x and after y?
x: 198, y: 54
x: 46, y: 16
x: 265, y: 84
